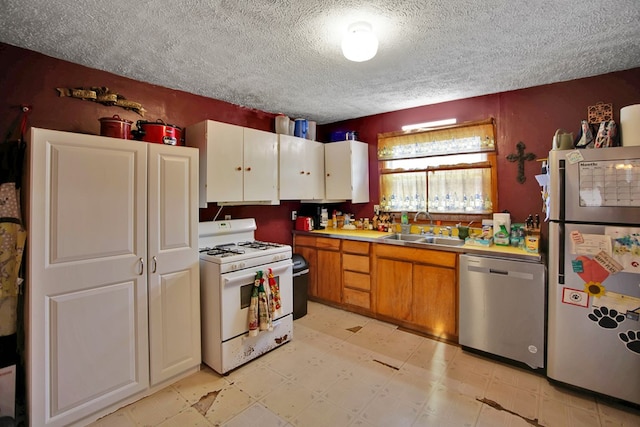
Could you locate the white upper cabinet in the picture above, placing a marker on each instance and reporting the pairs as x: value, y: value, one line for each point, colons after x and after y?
x: 260, y: 165
x: 347, y: 171
x: 237, y: 164
x: 301, y: 168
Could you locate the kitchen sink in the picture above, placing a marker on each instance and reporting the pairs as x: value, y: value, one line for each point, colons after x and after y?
x: 447, y: 241
x: 406, y: 237
x: 426, y: 239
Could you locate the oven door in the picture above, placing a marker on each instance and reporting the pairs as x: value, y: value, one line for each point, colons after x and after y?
x: 237, y: 287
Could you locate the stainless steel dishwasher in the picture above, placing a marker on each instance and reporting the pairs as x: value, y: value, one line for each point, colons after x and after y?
x: 502, y: 308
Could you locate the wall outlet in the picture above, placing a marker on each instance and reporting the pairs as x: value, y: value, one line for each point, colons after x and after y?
x: 294, y: 215
x: 376, y: 209
x: 227, y: 217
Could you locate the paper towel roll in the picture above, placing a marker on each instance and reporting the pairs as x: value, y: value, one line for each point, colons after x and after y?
x: 630, y: 125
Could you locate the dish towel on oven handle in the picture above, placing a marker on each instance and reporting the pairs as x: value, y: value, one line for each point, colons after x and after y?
x: 275, y: 305
x: 265, y: 303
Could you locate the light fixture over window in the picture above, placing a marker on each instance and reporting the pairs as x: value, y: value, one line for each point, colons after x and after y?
x: 427, y: 125
x: 359, y: 44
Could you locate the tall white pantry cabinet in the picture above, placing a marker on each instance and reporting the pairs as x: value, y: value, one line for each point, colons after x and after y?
x: 112, y: 302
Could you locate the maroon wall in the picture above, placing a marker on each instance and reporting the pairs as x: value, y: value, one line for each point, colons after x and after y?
x: 529, y: 115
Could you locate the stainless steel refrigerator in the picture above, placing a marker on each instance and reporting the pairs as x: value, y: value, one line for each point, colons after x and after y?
x: 594, y: 270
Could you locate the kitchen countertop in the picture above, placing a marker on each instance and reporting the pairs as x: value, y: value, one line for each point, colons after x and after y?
x: 376, y: 237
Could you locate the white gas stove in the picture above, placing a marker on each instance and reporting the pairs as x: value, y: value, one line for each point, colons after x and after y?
x: 230, y: 262
x: 231, y: 244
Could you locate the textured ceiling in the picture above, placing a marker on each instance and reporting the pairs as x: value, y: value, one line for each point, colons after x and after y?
x: 284, y: 55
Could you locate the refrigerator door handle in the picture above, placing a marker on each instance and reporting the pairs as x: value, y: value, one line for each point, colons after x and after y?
x: 561, y: 248
x: 561, y: 187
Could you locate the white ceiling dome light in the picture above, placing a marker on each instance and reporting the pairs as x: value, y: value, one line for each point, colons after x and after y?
x: 359, y: 44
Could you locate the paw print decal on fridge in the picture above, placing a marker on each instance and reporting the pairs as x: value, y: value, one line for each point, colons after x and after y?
x: 632, y: 339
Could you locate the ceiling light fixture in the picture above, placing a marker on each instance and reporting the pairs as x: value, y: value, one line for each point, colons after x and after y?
x: 359, y: 44
x: 427, y: 125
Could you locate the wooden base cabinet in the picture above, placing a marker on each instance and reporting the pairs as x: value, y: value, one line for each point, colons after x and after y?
x: 311, y: 255
x: 323, y: 256
x: 418, y: 287
x: 329, y: 275
x: 413, y: 287
x: 112, y: 281
x: 435, y: 299
x: 394, y: 289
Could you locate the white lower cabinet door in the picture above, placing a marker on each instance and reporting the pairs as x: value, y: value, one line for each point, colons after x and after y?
x: 94, y: 351
x: 87, y: 329
x: 174, y: 274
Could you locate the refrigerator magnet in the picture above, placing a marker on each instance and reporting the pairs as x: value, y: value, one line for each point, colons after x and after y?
x: 574, y: 157
x: 592, y: 244
x: 576, y: 237
x: 608, y: 263
x: 592, y: 272
x: 577, y: 266
x: 575, y: 297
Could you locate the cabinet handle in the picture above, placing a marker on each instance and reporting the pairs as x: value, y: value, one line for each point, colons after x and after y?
x: 248, y: 168
x: 155, y: 264
x: 239, y: 168
x: 301, y: 172
x: 141, y: 266
x: 328, y: 174
x: 308, y: 173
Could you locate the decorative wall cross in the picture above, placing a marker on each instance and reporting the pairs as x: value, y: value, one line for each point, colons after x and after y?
x: 521, y: 157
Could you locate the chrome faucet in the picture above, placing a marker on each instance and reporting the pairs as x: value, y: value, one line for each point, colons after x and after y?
x: 428, y: 215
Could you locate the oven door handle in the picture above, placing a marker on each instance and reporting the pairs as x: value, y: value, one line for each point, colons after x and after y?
x: 252, y: 276
x: 243, y: 278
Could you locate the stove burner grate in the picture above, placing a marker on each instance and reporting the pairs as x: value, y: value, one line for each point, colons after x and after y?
x: 222, y: 251
x: 256, y: 244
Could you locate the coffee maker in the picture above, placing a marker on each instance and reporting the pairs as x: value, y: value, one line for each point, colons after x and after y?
x: 319, y: 213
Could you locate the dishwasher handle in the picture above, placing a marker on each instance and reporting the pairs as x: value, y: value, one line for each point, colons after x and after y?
x: 512, y: 273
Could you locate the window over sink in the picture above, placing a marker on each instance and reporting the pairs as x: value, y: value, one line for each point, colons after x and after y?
x: 450, y: 170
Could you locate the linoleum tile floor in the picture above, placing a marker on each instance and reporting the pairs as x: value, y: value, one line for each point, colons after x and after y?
x: 343, y: 369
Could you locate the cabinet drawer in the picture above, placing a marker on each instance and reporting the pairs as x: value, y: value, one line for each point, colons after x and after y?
x: 355, y: 247
x: 423, y: 256
x: 359, y: 298
x: 304, y: 240
x: 357, y: 280
x: 355, y: 263
x: 328, y: 243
